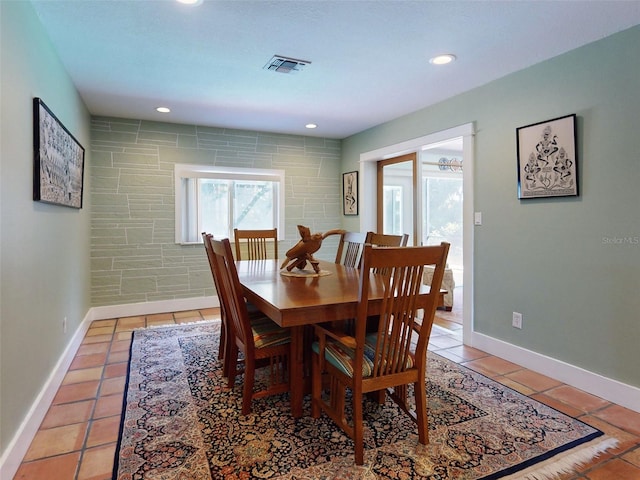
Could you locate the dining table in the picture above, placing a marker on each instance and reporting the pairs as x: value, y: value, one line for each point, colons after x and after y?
x: 300, y: 298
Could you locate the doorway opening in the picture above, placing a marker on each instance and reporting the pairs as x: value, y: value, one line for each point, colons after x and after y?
x: 442, y: 201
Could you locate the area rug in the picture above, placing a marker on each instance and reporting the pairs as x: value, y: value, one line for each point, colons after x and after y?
x: 181, y: 422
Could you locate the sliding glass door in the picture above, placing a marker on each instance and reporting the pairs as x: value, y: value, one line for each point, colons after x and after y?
x: 397, y: 196
x: 429, y: 210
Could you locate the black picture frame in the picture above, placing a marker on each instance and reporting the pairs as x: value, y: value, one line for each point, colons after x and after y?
x: 58, y: 167
x: 350, y: 193
x: 548, y: 159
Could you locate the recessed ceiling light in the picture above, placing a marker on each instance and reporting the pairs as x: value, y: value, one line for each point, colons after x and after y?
x: 163, y: 109
x: 442, y: 59
x: 311, y: 125
x: 190, y: 2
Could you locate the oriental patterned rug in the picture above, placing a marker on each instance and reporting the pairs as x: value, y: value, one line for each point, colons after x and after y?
x: 181, y: 422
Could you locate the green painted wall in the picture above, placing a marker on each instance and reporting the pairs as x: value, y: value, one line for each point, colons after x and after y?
x: 134, y: 257
x: 570, y: 265
x: 44, y: 249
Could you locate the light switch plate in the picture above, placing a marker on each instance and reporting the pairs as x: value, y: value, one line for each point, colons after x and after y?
x: 477, y: 218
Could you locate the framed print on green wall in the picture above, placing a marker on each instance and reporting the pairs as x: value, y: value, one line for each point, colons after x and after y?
x: 58, y: 165
x: 547, y: 158
x: 350, y: 193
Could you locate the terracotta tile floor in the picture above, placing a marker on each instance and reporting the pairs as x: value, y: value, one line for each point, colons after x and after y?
x: 77, y: 439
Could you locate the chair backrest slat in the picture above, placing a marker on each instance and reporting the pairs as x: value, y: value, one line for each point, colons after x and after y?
x: 256, y: 243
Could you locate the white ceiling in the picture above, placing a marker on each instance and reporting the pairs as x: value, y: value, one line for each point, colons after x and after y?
x: 369, y: 59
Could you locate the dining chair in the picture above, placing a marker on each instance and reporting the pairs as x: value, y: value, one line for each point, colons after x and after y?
x: 225, y: 333
x: 225, y: 328
x: 206, y: 239
x: 391, y: 357
x: 350, y: 248
x: 387, y: 240
x: 255, y: 243
x: 262, y: 342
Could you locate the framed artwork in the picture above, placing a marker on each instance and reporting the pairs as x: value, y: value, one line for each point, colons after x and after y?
x: 547, y: 159
x: 58, y: 173
x: 350, y: 193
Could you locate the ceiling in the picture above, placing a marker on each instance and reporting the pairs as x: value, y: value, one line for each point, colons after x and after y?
x: 369, y: 59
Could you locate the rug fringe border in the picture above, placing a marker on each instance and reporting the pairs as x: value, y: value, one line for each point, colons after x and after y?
x: 565, y: 462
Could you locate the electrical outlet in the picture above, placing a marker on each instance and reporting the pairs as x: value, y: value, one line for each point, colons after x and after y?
x: 517, y: 320
x: 64, y: 325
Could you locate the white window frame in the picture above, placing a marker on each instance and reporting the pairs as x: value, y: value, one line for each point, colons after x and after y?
x: 183, y: 235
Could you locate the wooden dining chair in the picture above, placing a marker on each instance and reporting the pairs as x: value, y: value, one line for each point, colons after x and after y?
x: 255, y: 244
x: 262, y: 342
x: 387, y: 240
x: 391, y: 357
x: 223, y: 354
x: 225, y: 327
x: 206, y: 239
x: 350, y: 248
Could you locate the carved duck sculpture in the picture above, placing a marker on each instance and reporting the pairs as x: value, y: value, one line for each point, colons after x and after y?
x: 302, y: 252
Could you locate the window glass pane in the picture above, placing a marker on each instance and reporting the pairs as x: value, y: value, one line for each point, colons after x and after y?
x: 214, y: 207
x: 392, y: 218
x: 254, y: 205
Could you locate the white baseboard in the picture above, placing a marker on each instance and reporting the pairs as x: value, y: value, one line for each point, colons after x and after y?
x: 614, y: 391
x: 19, y: 444
x: 149, y: 308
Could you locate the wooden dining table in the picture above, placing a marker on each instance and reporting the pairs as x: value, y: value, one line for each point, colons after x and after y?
x: 298, y: 301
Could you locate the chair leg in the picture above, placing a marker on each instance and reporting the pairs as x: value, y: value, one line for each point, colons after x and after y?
x: 232, y: 363
x: 222, y: 347
x: 401, y: 396
x: 316, y: 386
x: 230, y: 360
x: 379, y: 396
x: 421, y: 412
x: 358, y: 429
x: 247, y: 390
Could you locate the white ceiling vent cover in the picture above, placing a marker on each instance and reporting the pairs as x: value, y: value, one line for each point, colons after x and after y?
x: 282, y: 64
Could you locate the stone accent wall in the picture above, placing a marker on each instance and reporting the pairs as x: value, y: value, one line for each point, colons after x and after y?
x: 134, y: 257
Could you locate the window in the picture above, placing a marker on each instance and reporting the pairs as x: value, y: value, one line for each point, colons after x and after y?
x: 218, y: 199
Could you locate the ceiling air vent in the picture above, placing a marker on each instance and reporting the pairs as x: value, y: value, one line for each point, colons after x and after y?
x: 285, y: 65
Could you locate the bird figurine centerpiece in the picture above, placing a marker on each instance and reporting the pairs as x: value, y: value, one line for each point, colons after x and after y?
x: 302, y: 252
